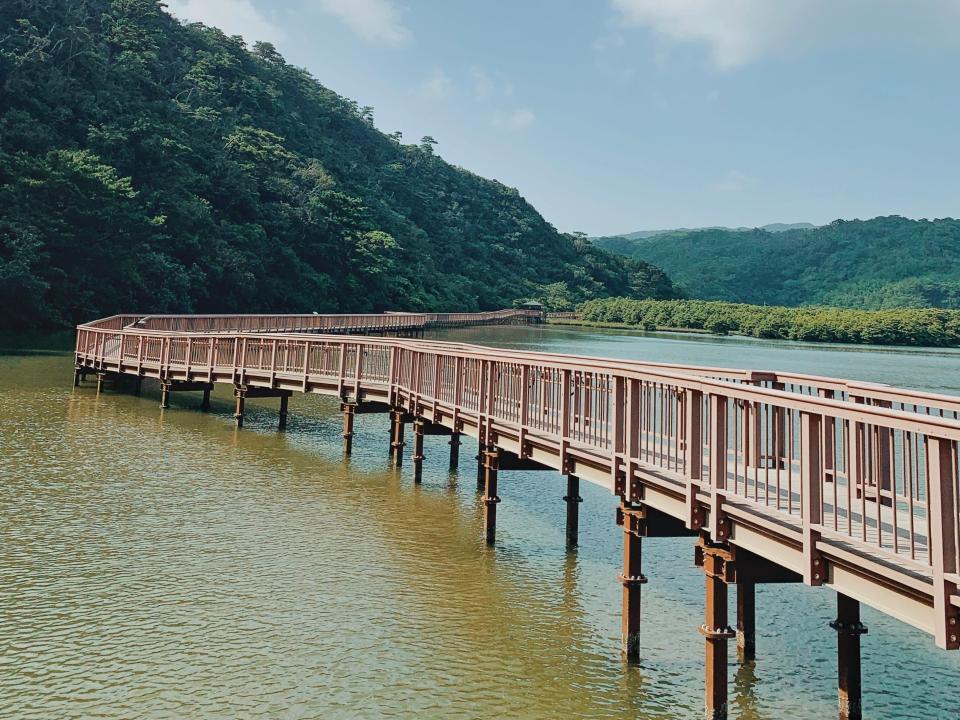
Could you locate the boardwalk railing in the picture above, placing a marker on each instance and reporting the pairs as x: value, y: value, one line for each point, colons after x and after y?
x: 846, y: 483
x: 367, y: 324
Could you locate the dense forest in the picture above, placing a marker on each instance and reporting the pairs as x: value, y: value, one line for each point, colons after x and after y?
x: 147, y: 165
x: 887, y: 262
x: 927, y: 327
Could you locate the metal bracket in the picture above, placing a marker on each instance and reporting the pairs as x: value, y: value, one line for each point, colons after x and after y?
x: 716, y: 560
x: 721, y: 633
x: 632, y: 580
x: 845, y: 628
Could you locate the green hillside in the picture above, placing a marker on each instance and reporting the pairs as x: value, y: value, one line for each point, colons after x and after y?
x: 148, y: 165
x: 887, y: 262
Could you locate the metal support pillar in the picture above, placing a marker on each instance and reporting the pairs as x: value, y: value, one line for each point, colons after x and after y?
x: 573, y: 500
x: 717, y: 562
x: 77, y: 376
x: 205, y: 403
x: 349, y: 410
x: 238, y: 412
x: 490, y: 498
x: 282, y: 425
x: 455, y: 450
x: 746, y: 619
x: 632, y: 580
x: 396, y: 444
x: 100, y: 378
x: 164, y: 396
x: 418, y: 427
x: 481, y: 472
x: 849, y: 629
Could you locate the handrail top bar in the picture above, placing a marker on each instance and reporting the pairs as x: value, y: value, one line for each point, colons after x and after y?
x: 629, y: 369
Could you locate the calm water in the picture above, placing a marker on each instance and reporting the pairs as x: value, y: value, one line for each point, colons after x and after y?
x: 163, y: 564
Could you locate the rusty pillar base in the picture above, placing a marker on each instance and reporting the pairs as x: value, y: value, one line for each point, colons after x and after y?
x: 418, y: 427
x: 632, y: 580
x: 455, y: 451
x: 490, y: 498
x: 349, y: 410
x: 481, y: 472
x: 849, y: 629
x: 238, y: 412
x: 746, y: 620
x: 204, y: 404
x: 573, y: 500
x: 396, y: 435
x: 717, y: 562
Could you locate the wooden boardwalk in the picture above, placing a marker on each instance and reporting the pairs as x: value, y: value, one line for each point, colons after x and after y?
x: 782, y: 477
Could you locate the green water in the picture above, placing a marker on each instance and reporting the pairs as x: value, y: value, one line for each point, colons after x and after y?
x: 162, y: 564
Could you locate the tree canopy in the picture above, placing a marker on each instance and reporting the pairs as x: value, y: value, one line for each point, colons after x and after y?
x: 147, y: 165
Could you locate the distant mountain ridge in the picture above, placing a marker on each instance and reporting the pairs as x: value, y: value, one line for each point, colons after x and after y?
x: 886, y: 262
x: 772, y: 227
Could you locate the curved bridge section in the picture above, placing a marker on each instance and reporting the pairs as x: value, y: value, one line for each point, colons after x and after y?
x: 782, y: 477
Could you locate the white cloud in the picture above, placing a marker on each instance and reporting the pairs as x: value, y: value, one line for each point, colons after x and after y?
x: 738, y: 32
x: 482, y: 84
x: 437, y: 86
x: 234, y: 17
x: 377, y: 21
x: 517, y: 120
x: 733, y: 182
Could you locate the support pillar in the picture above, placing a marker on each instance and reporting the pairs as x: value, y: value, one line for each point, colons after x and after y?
x: 77, y: 376
x: 716, y: 560
x: 573, y: 500
x: 349, y: 410
x: 746, y: 620
x: 490, y: 499
x: 455, y: 450
x: 418, y: 426
x: 632, y: 580
x: 396, y: 444
x: 481, y: 472
x: 100, y: 378
x: 204, y: 404
x: 849, y: 629
x: 164, y: 396
x: 238, y: 412
x: 282, y: 425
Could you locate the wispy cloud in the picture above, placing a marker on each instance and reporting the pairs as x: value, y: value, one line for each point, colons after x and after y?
x: 437, y: 86
x: 483, y: 85
x: 518, y: 119
x: 376, y: 21
x: 234, y: 17
x: 738, y: 32
x: 734, y: 181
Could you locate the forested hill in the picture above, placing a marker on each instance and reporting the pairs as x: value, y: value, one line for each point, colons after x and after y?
x: 887, y: 262
x: 150, y: 166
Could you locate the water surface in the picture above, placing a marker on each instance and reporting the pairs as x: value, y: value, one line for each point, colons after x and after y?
x: 162, y: 564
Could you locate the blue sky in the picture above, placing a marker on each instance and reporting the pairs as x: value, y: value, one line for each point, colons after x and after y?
x: 618, y: 115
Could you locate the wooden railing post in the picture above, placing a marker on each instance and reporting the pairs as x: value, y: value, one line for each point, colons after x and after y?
x: 718, y: 466
x: 811, y: 493
x: 564, y: 419
x: 693, y: 454
x: 942, y: 497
